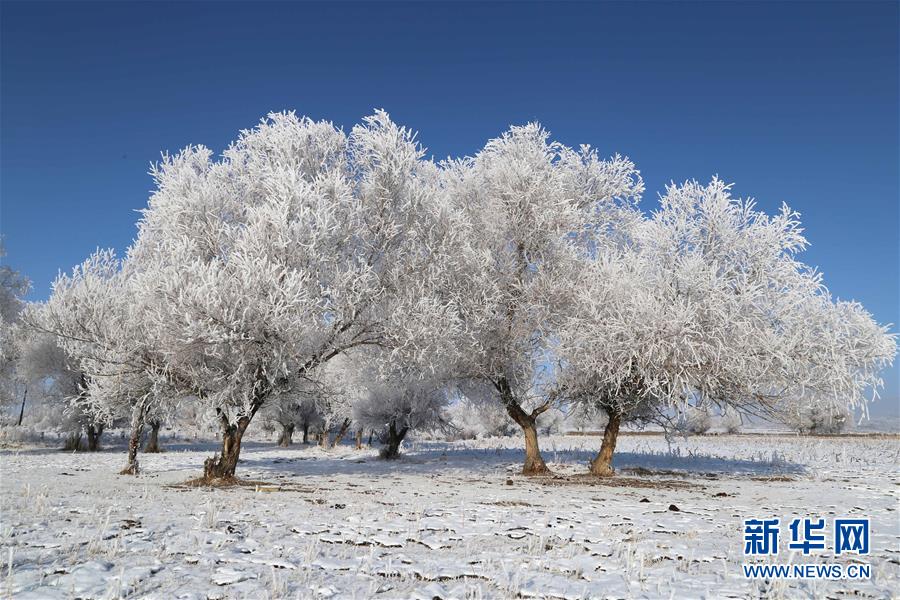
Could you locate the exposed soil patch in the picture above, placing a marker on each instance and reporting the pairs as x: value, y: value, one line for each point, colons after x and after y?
x: 616, y: 481
x: 236, y: 482
x: 644, y: 472
x: 221, y: 482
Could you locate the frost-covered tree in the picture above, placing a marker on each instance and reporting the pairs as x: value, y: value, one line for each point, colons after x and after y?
x: 731, y: 421
x: 13, y: 288
x: 56, y: 378
x: 298, y: 244
x: 708, y: 301
x: 470, y: 418
x: 283, y: 412
x: 333, y: 389
x: 693, y: 420
x: 97, y: 316
x: 307, y: 416
x: 152, y: 444
x: 528, y: 207
x: 552, y: 421
x: 583, y: 417
x: 397, y: 399
x: 389, y: 391
x: 297, y: 409
x: 817, y: 419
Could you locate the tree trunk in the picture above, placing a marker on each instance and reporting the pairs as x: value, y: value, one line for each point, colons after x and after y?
x: 305, y: 433
x: 601, y: 466
x: 223, y: 465
x: 152, y: 445
x: 134, y: 442
x: 341, y: 433
x: 359, y: 433
x: 22, y: 410
x: 395, y: 437
x: 534, y: 462
x: 93, y: 434
x: 371, y: 435
x: 323, y: 437
x: 287, y: 435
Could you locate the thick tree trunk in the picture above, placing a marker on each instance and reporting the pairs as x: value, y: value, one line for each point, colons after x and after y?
x: 93, y: 434
x: 359, y: 434
x: 134, y: 441
x: 323, y: 437
x: 287, y: 435
x: 22, y: 410
x: 223, y: 465
x: 534, y: 462
x: 371, y: 435
x: 152, y: 445
x: 305, y: 433
x: 395, y: 438
x: 341, y: 433
x: 601, y: 466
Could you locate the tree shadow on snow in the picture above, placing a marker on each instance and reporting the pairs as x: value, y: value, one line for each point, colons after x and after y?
x: 265, y: 459
x: 640, y: 463
x: 441, y: 458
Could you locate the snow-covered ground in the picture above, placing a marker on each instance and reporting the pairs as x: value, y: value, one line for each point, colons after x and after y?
x: 446, y: 521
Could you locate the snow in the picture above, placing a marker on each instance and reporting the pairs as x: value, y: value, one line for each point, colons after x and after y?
x: 448, y: 520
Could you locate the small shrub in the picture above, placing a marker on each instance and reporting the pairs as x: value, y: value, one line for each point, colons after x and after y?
x: 731, y: 422
x: 694, y: 421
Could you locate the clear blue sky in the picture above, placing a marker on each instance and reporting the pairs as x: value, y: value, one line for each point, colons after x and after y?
x: 794, y: 102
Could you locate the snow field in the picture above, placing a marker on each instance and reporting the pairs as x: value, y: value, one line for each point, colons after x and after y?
x: 448, y: 520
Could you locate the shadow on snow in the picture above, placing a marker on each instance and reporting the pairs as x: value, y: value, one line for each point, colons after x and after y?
x: 441, y: 457
x: 438, y: 458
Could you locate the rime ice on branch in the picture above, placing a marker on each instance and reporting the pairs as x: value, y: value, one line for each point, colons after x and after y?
x: 524, y: 276
x: 299, y: 244
x: 529, y: 209
x: 707, y: 303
